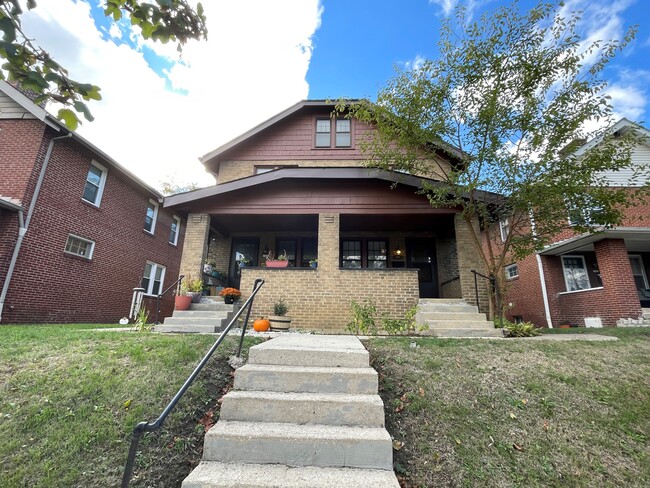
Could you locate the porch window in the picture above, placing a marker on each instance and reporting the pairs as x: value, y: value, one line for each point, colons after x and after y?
x: 174, y: 230
x: 364, y: 253
x: 150, y: 217
x: 300, y: 250
x: 575, y: 273
x: 95, y: 181
x: 154, y: 275
x: 323, y: 133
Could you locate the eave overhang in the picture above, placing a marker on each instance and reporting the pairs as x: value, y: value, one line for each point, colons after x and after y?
x: 10, y: 205
x: 584, y: 242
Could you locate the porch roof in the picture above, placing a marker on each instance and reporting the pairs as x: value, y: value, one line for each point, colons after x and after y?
x: 636, y: 239
x: 10, y: 204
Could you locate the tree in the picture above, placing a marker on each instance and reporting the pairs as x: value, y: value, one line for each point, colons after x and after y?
x: 510, y: 94
x: 170, y: 187
x: 33, y: 69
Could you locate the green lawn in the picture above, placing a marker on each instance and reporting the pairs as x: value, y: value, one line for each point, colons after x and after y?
x: 69, y: 398
x: 518, y: 413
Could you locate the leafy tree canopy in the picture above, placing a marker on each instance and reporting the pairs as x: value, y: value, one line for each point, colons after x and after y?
x: 32, y: 68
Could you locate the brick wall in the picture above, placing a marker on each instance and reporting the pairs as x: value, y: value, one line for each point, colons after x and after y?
x: 20, y: 143
x: 49, y: 285
x: 468, y: 259
x: 195, y: 248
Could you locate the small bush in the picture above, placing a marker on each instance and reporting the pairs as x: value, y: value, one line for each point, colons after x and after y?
x: 280, y: 308
x: 523, y: 329
x: 407, y: 325
x: 363, y: 318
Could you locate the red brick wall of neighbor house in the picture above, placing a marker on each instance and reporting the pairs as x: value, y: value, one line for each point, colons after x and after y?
x: 8, y: 235
x: 52, y: 286
x: 20, y: 143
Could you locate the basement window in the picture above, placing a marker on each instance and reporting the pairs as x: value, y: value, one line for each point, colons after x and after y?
x: 79, y: 246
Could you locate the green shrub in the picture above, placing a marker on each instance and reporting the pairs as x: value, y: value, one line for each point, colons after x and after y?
x: 363, y: 318
x: 406, y: 325
x: 523, y: 329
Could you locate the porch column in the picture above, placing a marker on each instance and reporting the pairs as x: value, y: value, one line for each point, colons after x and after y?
x: 468, y: 259
x: 621, y: 294
x: 328, y: 242
x: 195, y: 247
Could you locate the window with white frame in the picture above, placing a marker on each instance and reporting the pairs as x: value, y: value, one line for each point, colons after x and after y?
x: 585, y: 213
x: 174, y: 230
x: 95, y: 181
x: 151, y: 216
x: 79, y: 246
x: 512, y: 271
x: 153, y: 278
x: 575, y: 273
x: 504, y: 228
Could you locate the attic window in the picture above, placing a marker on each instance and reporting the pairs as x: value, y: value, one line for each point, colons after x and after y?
x: 323, y: 133
x: 341, y: 138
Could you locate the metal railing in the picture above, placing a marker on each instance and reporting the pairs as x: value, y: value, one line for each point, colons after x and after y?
x: 175, y: 284
x: 143, y: 427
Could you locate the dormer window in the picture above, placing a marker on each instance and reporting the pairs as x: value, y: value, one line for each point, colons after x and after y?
x: 341, y: 138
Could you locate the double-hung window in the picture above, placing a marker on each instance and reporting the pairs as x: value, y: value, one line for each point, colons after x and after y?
x: 79, y: 246
x: 343, y: 134
x: 575, y: 273
x: 323, y: 133
x: 151, y: 216
x: 95, y: 181
x: 153, y: 278
x: 174, y: 230
x: 341, y: 138
x: 504, y: 229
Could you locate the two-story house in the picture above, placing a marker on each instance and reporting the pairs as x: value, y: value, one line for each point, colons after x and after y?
x: 77, y: 231
x: 298, y: 183
x: 596, y: 278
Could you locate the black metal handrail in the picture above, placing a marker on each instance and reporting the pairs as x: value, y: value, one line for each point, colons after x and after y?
x: 160, y: 295
x: 143, y: 427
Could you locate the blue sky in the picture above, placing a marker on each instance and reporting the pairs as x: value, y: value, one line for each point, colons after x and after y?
x: 160, y: 113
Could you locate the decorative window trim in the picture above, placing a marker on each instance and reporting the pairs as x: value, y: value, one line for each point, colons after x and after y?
x: 174, y: 241
x: 153, y: 219
x: 504, y: 228
x: 152, y: 275
x: 102, y: 183
x: 564, y: 271
x: 68, y: 247
x: 508, y: 270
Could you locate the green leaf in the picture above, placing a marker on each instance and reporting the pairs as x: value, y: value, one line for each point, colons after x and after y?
x: 69, y: 118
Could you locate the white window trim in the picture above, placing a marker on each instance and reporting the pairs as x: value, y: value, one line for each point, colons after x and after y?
x: 154, y: 266
x: 155, y: 217
x: 102, y: 182
x: 508, y: 277
x: 645, y: 278
x: 584, y: 264
x: 91, y: 248
x: 503, y: 224
x: 178, y: 230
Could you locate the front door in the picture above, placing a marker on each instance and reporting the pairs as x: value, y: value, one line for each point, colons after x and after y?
x: 243, y: 253
x: 421, y: 254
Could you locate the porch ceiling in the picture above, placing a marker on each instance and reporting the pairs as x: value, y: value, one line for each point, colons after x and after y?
x: 228, y: 224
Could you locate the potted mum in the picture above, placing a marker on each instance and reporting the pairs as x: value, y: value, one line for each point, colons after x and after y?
x: 230, y: 295
x: 279, y: 320
x: 281, y: 262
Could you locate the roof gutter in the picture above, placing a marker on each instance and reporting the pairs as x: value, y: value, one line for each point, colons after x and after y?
x: 23, y: 225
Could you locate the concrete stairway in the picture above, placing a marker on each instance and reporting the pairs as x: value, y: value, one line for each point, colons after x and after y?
x: 451, y: 317
x: 304, y: 413
x: 210, y: 315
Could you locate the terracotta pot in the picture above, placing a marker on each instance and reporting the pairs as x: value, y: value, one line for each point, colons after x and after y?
x: 261, y: 325
x: 182, y: 302
x: 565, y: 326
x: 279, y: 322
x: 276, y: 264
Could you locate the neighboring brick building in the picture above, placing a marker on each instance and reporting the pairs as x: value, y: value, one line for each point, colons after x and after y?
x: 77, y: 230
x: 298, y: 183
x: 602, y: 276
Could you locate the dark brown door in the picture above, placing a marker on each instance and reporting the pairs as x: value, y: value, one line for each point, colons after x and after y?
x: 421, y: 254
x: 243, y: 253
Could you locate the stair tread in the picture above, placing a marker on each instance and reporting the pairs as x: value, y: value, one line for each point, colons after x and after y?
x: 282, y: 368
x: 295, y: 431
x: 305, y: 396
x: 230, y: 475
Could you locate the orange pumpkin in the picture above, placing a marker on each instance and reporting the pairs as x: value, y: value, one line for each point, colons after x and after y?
x: 261, y: 325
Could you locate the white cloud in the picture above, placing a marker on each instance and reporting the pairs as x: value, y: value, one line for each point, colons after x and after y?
x: 416, y: 63
x: 447, y: 6
x: 252, y: 66
x: 629, y: 96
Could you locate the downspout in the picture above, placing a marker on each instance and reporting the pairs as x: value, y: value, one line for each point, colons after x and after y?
x: 23, y: 226
x: 542, y: 278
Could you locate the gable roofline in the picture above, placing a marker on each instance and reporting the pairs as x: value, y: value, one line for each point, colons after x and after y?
x: 47, y: 118
x: 621, y: 124
x: 265, y: 125
x: 359, y: 173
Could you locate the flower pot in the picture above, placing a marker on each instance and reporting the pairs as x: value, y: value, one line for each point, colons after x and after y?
x: 276, y: 264
x: 313, y: 265
x: 195, y: 295
x: 280, y: 322
x: 565, y: 326
x: 182, y: 302
x: 229, y: 300
x: 207, y: 268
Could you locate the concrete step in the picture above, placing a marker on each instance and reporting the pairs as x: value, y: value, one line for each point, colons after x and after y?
x: 298, y: 445
x: 441, y: 301
x: 214, y: 321
x: 311, y: 350
x: 256, y: 377
x: 442, y: 332
x: 441, y: 308
x: 190, y: 329
x: 459, y: 324
x: 229, y: 475
x: 202, y: 313
x: 215, y: 306
x: 471, y: 316
x: 303, y: 408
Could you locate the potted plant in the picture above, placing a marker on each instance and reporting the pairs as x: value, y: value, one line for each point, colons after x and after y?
x: 279, y: 320
x: 183, y: 300
x: 281, y: 262
x: 194, y: 287
x: 313, y: 263
x: 230, y: 295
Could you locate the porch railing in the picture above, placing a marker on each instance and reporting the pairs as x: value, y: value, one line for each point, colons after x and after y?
x: 143, y: 427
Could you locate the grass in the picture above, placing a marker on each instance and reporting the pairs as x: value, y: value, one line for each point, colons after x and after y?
x: 518, y: 413
x: 70, y: 397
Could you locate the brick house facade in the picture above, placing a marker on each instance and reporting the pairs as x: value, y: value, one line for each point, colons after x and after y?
x: 600, y: 277
x: 73, y: 242
x: 298, y: 183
